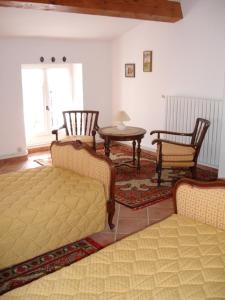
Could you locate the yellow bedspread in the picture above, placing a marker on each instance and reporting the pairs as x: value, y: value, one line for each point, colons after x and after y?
x: 177, y: 258
x: 45, y: 208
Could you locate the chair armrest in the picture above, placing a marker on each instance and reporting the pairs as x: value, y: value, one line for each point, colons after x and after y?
x: 94, y: 130
x: 170, y: 132
x: 96, y: 127
x: 159, y: 141
x: 55, y: 131
x: 201, y: 201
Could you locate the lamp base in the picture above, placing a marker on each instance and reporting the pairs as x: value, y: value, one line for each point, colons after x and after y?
x: 121, y: 126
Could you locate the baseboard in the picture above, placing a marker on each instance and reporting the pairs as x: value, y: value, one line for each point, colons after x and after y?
x: 13, y: 159
x: 207, y: 168
x: 38, y: 149
x: 18, y: 158
x: 14, y: 155
x: 149, y: 149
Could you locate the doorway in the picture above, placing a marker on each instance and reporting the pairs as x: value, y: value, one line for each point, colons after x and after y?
x: 47, y: 91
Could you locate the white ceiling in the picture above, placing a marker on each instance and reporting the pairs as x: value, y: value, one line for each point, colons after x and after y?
x: 18, y: 22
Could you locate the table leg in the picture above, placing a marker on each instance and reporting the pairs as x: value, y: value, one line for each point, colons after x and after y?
x: 107, y: 147
x: 138, y: 155
x: 134, y: 151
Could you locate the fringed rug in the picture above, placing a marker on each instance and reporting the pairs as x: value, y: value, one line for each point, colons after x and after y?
x: 49, y: 262
x: 140, y: 190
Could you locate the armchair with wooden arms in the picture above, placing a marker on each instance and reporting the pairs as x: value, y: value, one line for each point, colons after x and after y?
x: 171, y: 154
x: 79, y: 125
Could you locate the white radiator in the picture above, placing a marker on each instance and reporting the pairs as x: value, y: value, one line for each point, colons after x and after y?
x: 181, y: 113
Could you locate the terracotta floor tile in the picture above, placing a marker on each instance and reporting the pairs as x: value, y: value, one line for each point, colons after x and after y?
x: 117, y: 208
x: 107, y: 228
x: 115, y: 220
x: 156, y: 213
x: 17, y: 166
x: 126, y: 212
x: 154, y: 221
x: 104, y: 238
x: 168, y: 203
x: 129, y: 225
x: 120, y: 236
x: 37, y: 155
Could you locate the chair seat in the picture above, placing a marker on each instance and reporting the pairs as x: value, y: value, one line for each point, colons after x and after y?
x: 83, y: 138
x: 176, y: 155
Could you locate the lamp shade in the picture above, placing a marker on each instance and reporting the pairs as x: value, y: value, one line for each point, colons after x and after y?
x: 122, y: 116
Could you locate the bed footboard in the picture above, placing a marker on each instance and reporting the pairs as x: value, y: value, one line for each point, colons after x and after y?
x: 201, y: 201
x: 81, y: 159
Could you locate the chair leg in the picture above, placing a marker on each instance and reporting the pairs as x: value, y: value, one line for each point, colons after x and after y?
x: 194, y: 172
x: 94, y: 143
x: 111, y: 212
x: 159, y: 176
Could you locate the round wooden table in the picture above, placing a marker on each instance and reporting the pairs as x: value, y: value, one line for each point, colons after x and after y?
x: 134, y: 134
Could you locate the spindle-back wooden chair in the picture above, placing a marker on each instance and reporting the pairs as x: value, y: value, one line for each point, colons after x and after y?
x: 171, y: 154
x: 79, y: 125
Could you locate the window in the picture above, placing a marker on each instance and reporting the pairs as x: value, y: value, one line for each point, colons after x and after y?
x: 47, y: 91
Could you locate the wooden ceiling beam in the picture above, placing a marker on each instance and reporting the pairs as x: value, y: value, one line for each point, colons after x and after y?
x: 154, y: 10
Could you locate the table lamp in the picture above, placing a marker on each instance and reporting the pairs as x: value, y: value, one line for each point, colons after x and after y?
x: 121, y: 117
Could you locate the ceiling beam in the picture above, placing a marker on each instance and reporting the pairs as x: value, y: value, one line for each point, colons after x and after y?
x: 154, y: 10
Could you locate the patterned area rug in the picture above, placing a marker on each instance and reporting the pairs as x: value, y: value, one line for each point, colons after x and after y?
x: 39, y: 266
x: 140, y: 190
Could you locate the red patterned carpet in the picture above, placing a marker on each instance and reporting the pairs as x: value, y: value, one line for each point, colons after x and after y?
x: 39, y: 266
x: 137, y: 190
x: 140, y: 190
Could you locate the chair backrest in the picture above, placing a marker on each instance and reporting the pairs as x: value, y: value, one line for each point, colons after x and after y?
x: 199, y: 133
x: 80, y: 122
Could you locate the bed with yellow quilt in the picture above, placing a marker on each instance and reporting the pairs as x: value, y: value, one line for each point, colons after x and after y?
x: 44, y: 208
x: 182, y: 257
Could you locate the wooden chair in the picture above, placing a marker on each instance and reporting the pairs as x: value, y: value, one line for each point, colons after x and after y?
x: 79, y: 125
x: 171, y: 154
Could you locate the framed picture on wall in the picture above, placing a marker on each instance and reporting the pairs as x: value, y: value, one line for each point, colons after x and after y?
x: 147, y: 61
x: 129, y: 70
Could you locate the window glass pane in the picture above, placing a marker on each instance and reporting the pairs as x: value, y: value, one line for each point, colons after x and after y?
x: 60, y: 93
x: 32, y: 82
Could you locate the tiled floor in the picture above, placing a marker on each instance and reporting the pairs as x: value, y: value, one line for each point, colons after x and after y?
x: 126, y: 220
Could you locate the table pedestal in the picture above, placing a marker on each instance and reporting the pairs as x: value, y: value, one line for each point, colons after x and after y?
x: 134, y: 134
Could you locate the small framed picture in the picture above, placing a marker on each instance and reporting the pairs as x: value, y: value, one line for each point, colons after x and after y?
x: 129, y: 70
x: 147, y: 61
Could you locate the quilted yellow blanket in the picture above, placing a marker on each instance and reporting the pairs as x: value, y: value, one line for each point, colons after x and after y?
x: 45, y: 208
x: 178, y: 258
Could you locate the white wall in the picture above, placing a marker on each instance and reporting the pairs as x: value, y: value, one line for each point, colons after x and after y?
x: 188, y: 59
x: 95, y: 57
